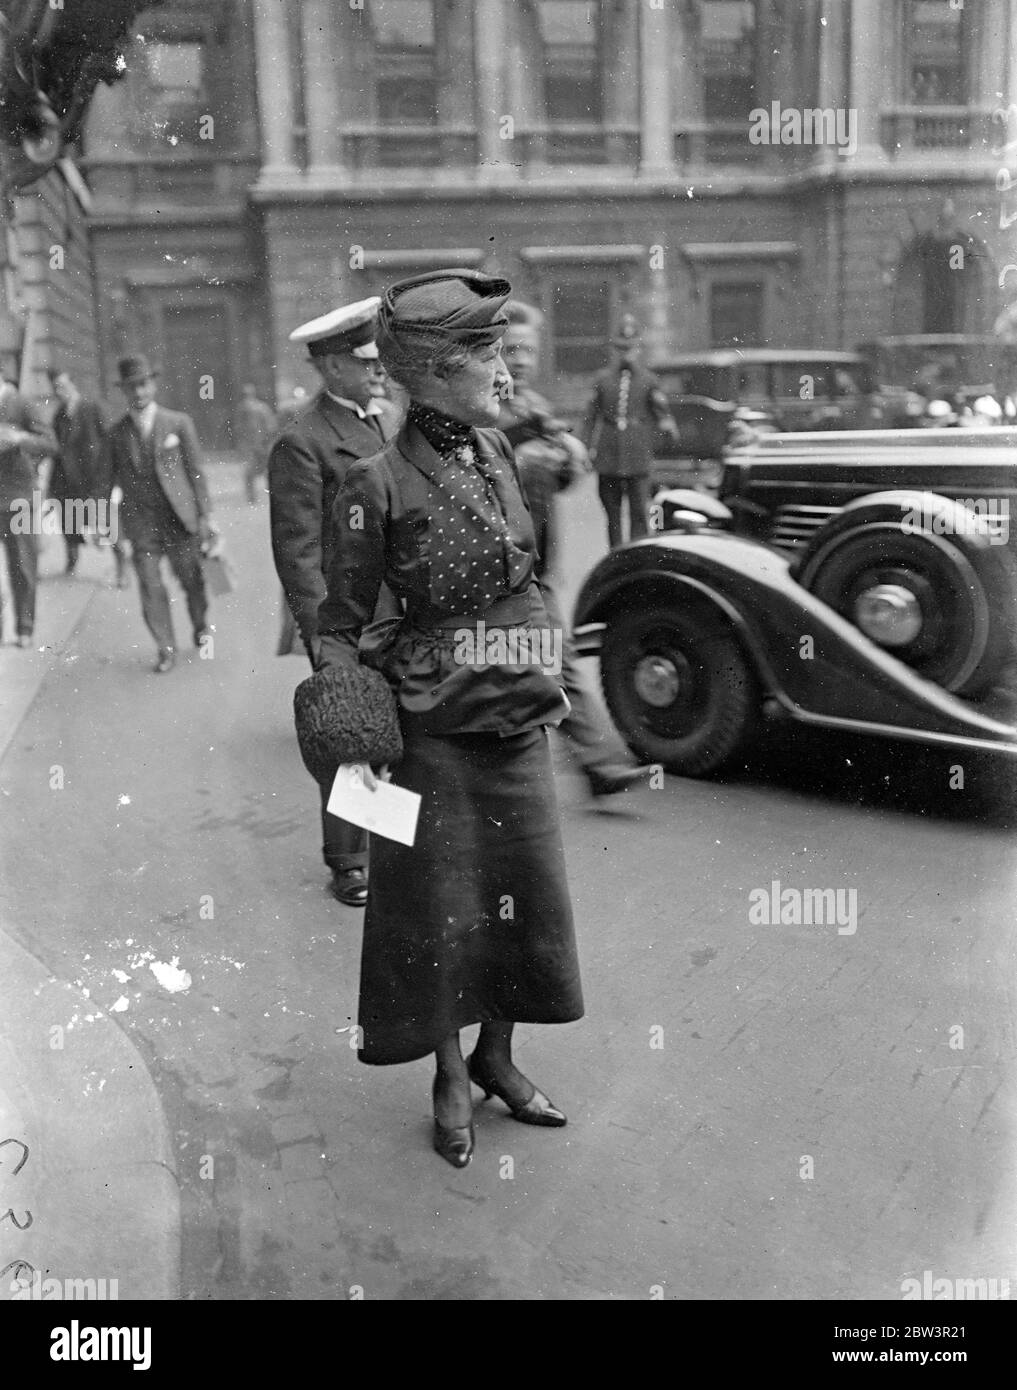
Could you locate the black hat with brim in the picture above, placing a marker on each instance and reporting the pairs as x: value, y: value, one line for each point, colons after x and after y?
x: 135, y: 368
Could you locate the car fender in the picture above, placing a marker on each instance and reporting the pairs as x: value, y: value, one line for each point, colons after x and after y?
x: 818, y: 666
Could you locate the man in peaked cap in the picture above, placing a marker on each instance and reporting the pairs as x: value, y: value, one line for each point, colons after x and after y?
x: 154, y: 458
x: 628, y: 404
x: 308, y: 463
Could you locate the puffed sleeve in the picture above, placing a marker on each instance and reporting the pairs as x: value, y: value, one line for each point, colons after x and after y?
x: 357, y: 571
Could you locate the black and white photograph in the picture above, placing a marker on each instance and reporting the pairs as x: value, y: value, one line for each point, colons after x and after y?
x: 508, y: 668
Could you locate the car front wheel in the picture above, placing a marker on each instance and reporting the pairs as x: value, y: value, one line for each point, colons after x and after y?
x: 679, y: 688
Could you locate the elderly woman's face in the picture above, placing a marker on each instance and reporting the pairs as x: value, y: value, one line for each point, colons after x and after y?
x: 474, y: 391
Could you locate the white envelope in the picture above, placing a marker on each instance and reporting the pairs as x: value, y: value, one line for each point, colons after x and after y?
x: 389, y: 811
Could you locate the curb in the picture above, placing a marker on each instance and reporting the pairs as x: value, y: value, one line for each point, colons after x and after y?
x: 96, y: 1196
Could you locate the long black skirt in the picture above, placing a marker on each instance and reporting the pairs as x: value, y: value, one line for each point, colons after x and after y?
x: 473, y: 923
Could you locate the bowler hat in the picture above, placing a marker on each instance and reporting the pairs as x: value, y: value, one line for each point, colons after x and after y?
x: 345, y: 714
x: 135, y: 367
x: 462, y: 305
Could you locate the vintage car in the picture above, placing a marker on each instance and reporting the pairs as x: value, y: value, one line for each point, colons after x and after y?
x: 792, y: 386
x: 777, y: 388
x: 943, y: 364
x: 861, y: 581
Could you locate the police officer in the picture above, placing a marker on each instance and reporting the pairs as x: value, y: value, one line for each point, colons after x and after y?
x: 306, y: 468
x: 628, y: 404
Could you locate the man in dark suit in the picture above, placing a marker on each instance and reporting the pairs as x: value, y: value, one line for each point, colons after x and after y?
x: 628, y: 404
x: 346, y: 421
x: 24, y: 441
x: 155, y: 459
x: 80, y: 429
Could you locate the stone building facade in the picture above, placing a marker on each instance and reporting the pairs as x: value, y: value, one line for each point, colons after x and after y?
x: 267, y: 159
x: 52, y: 58
x: 48, y: 314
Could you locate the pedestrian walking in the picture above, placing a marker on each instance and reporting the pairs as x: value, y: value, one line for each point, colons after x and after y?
x: 307, y: 465
x: 165, y: 513
x: 76, y: 482
x: 25, y: 440
x: 627, y: 406
x: 473, y: 922
x: 551, y: 459
x: 254, y: 428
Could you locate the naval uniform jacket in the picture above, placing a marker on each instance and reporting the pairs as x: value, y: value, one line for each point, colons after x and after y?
x: 165, y: 467
x: 621, y: 423
x: 307, y: 466
x: 397, y: 494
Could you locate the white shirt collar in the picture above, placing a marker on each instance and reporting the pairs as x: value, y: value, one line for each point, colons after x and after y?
x: 145, y: 418
x: 373, y: 407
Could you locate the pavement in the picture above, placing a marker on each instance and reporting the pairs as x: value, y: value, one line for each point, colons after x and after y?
x: 756, y: 1109
x: 89, y: 1170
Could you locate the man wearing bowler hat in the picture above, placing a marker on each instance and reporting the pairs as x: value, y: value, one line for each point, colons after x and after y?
x: 308, y: 464
x: 155, y: 459
x: 628, y: 404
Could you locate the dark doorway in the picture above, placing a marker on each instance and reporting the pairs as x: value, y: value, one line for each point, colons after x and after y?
x: 197, y: 366
x: 940, y: 287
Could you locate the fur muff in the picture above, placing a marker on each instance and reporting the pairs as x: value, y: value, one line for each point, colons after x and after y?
x: 346, y: 714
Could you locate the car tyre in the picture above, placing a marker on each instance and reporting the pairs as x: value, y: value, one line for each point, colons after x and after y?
x: 961, y: 587
x: 679, y: 688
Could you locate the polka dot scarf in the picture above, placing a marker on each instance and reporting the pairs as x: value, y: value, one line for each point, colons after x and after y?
x: 474, y: 560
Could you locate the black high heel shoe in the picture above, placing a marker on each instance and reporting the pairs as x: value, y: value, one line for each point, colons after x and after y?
x: 455, y: 1144
x: 538, y: 1110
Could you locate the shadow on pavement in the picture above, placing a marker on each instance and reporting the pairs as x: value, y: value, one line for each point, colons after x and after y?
x: 895, y: 775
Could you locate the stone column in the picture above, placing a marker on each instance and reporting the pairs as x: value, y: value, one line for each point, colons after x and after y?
x: 832, y: 89
x: 656, y: 142
x: 868, y: 76
x: 686, y: 81
x: 490, y: 38
x: 321, y: 89
x: 275, y: 95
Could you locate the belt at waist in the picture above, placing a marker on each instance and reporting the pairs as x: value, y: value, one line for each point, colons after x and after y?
x: 509, y: 611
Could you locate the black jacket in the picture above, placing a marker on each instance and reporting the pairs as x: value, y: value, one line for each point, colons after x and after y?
x: 306, y: 468
x: 177, y: 467
x: 393, y: 498
x: 81, y: 439
x: 18, y: 460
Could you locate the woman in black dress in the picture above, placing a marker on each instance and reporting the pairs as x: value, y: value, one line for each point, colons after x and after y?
x: 472, y: 924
